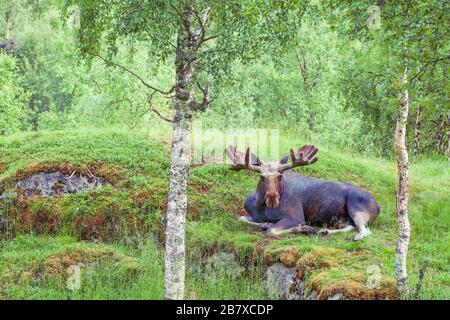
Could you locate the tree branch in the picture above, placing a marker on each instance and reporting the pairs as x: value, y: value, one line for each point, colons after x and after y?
x: 156, y: 111
x: 146, y: 84
x: 186, y: 23
x: 422, y: 70
x: 202, y: 22
x: 206, y: 101
x: 422, y: 271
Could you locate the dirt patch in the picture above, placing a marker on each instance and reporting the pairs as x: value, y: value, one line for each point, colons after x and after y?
x: 91, y: 227
x: 205, y: 160
x: 203, y: 189
x: 43, y: 222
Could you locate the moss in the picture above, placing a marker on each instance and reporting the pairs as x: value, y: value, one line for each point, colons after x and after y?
x: 44, y: 260
x: 288, y: 256
x: 134, y: 205
x: 59, y: 262
x: 357, y: 290
x: 320, y: 258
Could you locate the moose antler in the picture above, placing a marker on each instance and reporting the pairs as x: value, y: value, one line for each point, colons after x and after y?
x: 242, y: 160
x: 306, y: 156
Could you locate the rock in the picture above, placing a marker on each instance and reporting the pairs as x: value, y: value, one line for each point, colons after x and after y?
x: 47, y: 184
x: 312, y: 295
x: 282, y: 283
x: 9, y: 197
x: 223, y: 262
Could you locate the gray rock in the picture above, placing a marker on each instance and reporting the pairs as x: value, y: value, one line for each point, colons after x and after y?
x: 282, y: 283
x: 9, y: 197
x: 47, y: 184
x: 312, y: 295
x: 225, y: 263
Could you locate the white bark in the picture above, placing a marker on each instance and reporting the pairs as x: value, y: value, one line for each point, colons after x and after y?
x: 402, y: 190
x: 176, y: 212
x: 174, y: 274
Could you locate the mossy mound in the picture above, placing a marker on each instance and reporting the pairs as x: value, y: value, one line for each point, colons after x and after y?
x: 61, y: 261
x: 328, y: 272
x: 132, y: 206
x: 27, y: 265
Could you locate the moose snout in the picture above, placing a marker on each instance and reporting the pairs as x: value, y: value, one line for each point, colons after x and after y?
x: 272, y: 199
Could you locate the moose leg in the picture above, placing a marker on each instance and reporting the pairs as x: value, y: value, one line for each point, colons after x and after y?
x: 254, y: 217
x: 361, y: 220
x: 333, y: 231
x: 362, y: 210
x: 304, y: 229
x: 249, y: 220
x: 285, y: 225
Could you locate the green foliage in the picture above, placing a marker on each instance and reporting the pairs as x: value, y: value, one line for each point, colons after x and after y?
x: 410, y: 36
x: 12, y: 96
x: 240, y: 29
x: 321, y: 84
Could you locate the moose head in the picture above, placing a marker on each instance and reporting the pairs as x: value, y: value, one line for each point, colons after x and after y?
x: 271, y: 174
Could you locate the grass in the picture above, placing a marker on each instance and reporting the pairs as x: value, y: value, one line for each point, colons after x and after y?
x: 120, y: 218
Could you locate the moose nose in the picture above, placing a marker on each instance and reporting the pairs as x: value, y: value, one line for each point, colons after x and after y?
x: 272, y: 200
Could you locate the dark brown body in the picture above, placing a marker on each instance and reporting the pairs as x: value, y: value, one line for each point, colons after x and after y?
x: 285, y: 201
x: 305, y: 200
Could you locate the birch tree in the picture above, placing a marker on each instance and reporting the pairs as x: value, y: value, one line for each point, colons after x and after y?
x: 414, y: 33
x: 203, y: 38
x: 401, y: 153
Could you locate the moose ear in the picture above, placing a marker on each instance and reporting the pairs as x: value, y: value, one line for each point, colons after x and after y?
x: 284, y: 160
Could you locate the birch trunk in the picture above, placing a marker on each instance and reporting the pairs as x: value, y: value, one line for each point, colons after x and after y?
x: 180, y: 166
x: 402, y: 189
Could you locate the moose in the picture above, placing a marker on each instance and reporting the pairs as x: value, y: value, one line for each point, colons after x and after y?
x: 285, y: 201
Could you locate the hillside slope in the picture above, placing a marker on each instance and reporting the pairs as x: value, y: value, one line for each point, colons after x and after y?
x: 121, y: 216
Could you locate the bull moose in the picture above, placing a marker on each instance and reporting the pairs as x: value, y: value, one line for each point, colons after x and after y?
x: 285, y: 201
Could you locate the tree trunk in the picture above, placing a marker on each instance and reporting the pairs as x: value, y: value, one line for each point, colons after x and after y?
x: 443, y: 133
x: 180, y: 165
x: 417, y: 128
x: 438, y: 137
x: 402, y: 189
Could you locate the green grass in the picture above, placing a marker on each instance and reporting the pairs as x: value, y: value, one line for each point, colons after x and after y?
x: 124, y: 215
x: 29, y: 270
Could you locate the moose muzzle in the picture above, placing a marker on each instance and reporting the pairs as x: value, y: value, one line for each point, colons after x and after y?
x: 272, y: 199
